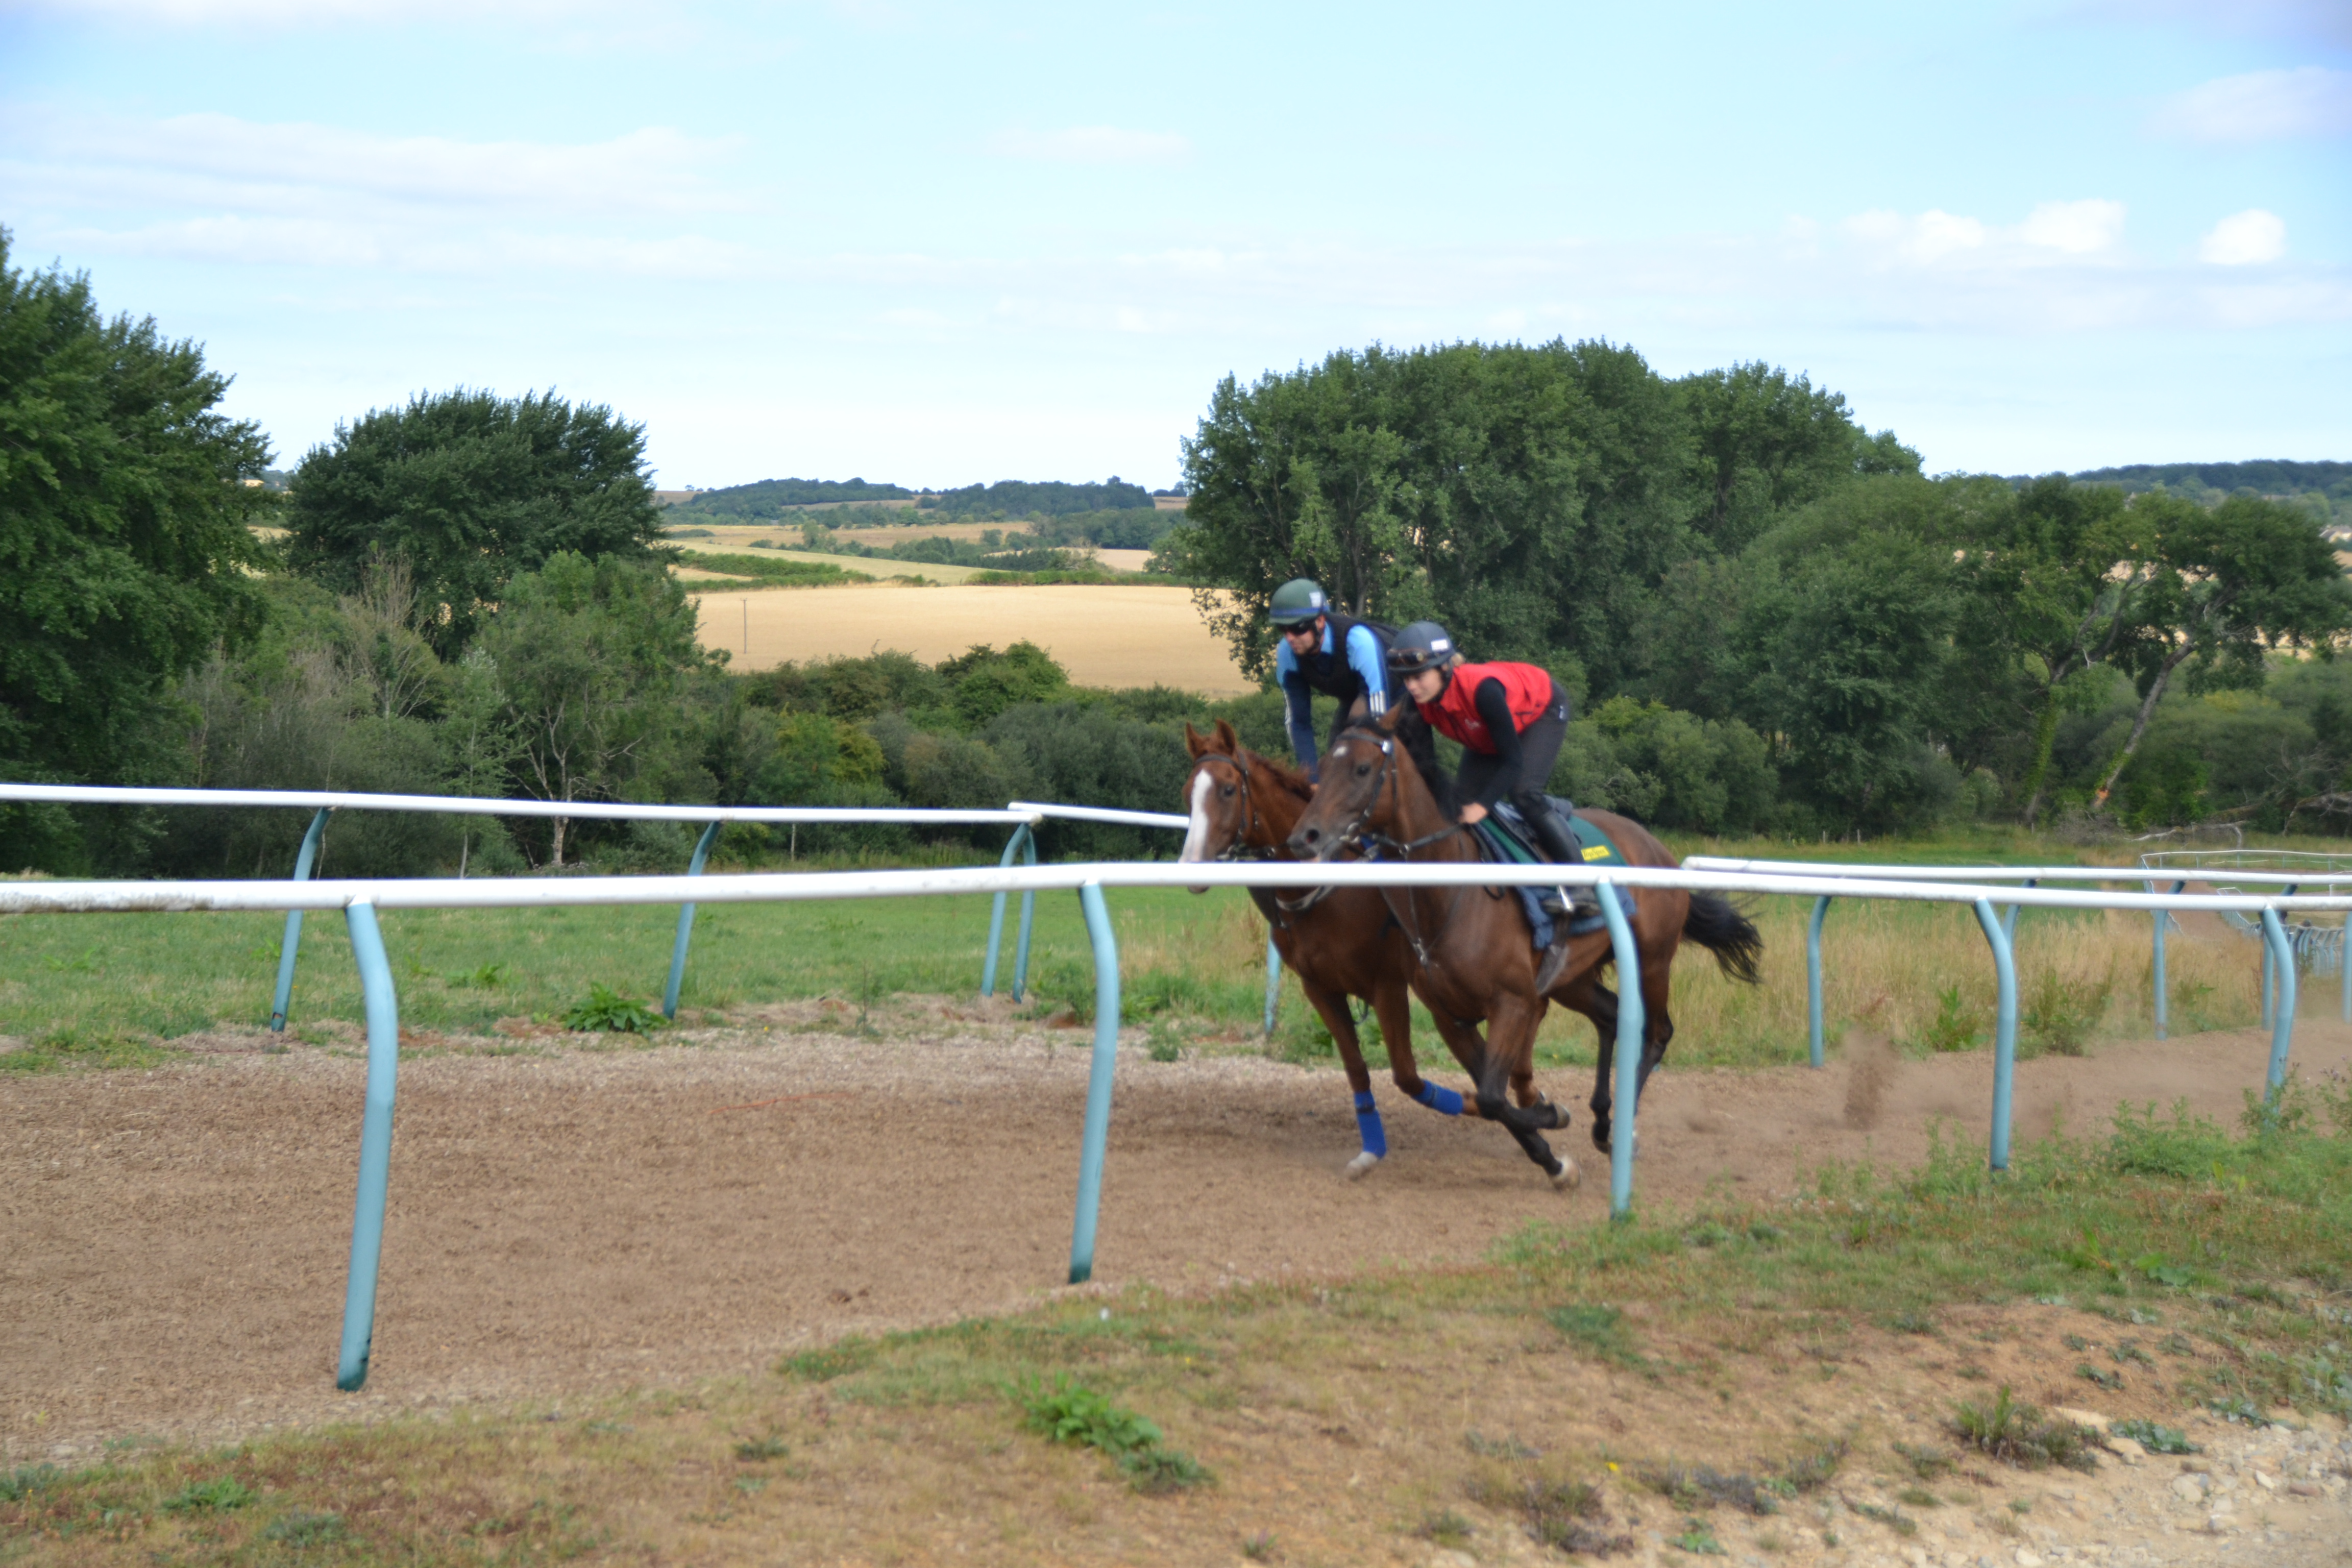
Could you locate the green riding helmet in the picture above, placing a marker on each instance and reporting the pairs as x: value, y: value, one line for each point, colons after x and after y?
x: 1424, y: 645
x: 1300, y: 599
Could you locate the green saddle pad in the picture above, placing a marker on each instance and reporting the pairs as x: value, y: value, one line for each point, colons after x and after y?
x: 1598, y: 850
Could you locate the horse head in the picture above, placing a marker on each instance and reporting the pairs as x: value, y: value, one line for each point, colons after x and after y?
x: 1216, y: 795
x: 1361, y: 789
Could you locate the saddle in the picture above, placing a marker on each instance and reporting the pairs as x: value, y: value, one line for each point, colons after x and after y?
x: 1504, y: 838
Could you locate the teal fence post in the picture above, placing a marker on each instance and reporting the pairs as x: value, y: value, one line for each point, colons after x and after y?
x: 2282, y: 951
x: 1813, y: 979
x: 2270, y: 982
x: 2004, y: 1038
x: 2163, y: 918
x: 1273, y: 985
x: 1022, y: 839
x: 1626, y: 1090
x: 2344, y: 966
x: 685, y: 923
x: 304, y: 858
x: 375, y: 1144
x: 2009, y: 918
x: 1099, y: 1079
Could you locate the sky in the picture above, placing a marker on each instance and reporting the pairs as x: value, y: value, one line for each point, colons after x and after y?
x: 940, y: 243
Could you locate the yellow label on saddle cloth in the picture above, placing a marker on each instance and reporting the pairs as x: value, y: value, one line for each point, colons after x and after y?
x: 1597, y: 852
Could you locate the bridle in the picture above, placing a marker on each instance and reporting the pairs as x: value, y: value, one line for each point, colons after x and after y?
x: 1358, y: 833
x: 1241, y: 848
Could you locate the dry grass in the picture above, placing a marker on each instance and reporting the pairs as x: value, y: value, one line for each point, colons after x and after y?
x: 1104, y: 636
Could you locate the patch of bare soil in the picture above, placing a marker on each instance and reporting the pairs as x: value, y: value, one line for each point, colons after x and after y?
x: 575, y: 1219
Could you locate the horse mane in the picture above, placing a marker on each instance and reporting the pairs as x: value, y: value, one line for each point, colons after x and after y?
x: 1291, y: 779
x: 1412, y: 731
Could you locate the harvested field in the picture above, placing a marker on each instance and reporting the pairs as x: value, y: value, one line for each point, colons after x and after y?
x: 865, y: 564
x: 593, y: 1219
x: 1104, y: 636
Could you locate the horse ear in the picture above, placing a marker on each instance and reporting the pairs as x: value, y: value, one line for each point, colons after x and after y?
x: 1194, y: 741
x: 1391, y: 720
x: 1227, y: 741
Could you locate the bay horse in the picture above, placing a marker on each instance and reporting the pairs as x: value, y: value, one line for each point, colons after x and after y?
x: 1475, y: 958
x: 1341, y: 945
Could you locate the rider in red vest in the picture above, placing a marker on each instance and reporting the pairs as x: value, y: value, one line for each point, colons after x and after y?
x: 1510, y: 719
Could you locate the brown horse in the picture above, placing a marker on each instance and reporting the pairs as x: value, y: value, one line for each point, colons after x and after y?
x: 1341, y: 945
x: 1473, y: 957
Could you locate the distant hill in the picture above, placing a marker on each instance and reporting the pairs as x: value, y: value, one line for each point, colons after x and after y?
x: 1013, y: 498
x: 2270, y: 477
x: 772, y: 498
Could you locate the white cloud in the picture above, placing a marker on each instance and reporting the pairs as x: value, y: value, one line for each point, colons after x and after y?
x: 2074, y: 228
x: 1092, y: 144
x: 294, y: 167
x: 2245, y: 238
x: 305, y: 13
x: 2263, y: 106
x: 2081, y: 230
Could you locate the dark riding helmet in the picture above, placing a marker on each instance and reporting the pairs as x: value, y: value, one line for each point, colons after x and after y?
x: 1300, y: 599
x: 1424, y: 645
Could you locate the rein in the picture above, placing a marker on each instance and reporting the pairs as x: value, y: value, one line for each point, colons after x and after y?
x: 1356, y: 834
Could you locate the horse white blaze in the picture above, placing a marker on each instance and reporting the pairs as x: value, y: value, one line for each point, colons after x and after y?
x: 1196, y: 832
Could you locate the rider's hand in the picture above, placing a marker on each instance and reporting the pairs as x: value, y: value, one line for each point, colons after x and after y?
x: 1473, y: 814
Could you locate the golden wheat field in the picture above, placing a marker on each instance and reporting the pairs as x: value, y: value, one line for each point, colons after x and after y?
x: 1102, y: 636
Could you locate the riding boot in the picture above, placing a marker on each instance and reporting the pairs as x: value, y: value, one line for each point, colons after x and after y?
x: 1560, y: 845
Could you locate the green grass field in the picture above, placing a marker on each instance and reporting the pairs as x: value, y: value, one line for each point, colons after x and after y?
x: 1193, y: 967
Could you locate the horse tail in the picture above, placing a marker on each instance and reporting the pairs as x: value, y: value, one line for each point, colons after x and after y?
x: 1716, y: 923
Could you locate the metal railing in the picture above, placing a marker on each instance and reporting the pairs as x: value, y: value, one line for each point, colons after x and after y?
x: 1024, y: 816
x: 2299, y: 942
x: 359, y: 901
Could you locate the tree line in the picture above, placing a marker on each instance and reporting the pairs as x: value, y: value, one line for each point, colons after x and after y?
x: 1771, y: 620
x: 1733, y: 549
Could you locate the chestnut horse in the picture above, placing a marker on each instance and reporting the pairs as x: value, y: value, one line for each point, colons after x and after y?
x: 1473, y: 957
x: 1341, y: 945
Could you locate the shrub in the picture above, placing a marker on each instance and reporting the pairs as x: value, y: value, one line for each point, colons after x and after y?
x: 608, y: 1010
x: 2019, y: 1434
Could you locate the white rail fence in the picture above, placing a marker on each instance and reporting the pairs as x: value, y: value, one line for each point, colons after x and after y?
x: 1986, y: 888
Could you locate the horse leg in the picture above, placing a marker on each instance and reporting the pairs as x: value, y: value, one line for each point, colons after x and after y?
x: 1393, y: 1002
x: 1510, y: 1038
x: 1331, y: 1006
x: 1658, y: 1024
x: 1600, y: 1005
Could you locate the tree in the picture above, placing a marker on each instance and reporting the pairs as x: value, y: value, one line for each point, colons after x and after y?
x: 125, y: 537
x: 2225, y: 586
x: 2057, y: 576
x: 471, y: 489
x: 593, y: 657
x: 1765, y: 443
x: 1845, y: 635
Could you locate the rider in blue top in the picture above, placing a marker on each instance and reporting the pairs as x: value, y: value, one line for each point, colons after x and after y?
x: 1322, y: 650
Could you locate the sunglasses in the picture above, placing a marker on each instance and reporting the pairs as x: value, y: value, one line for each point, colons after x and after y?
x: 1299, y: 629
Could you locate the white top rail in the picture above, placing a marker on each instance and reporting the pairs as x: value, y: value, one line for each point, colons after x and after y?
x: 477, y: 805
x: 1105, y: 813
x: 2015, y: 873
x: 45, y: 896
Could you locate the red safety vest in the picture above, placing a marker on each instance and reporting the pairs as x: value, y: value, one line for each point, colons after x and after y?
x: 1526, y: 687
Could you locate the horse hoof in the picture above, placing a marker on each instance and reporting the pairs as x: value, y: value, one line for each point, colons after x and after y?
x: 1567, y: 1177
x: 1361, y: 1164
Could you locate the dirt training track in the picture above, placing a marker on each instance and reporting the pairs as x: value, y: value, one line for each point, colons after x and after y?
x: 176, y: 1239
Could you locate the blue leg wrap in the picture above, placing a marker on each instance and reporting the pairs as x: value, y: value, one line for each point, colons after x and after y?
x: 1367, y: 1123
x: 1440, y: 1098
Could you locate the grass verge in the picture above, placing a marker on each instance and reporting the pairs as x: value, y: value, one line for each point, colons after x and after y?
x: 1713, y: 1376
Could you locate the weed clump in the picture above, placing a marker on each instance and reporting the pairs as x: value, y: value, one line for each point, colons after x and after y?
x: 2060, y: 1015
x: 1600, y: 1331
x: 1692, y: 1486
x: 838, y: 1359
x: 2156, y: 1440
x: 2019, y: 1434
x: 1568, y: 1516
x: 216, y: 1496
x: 22, y: 1482
x: 302, y: 1527
x: 1068, y: 1412
x: 608, y: 1011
